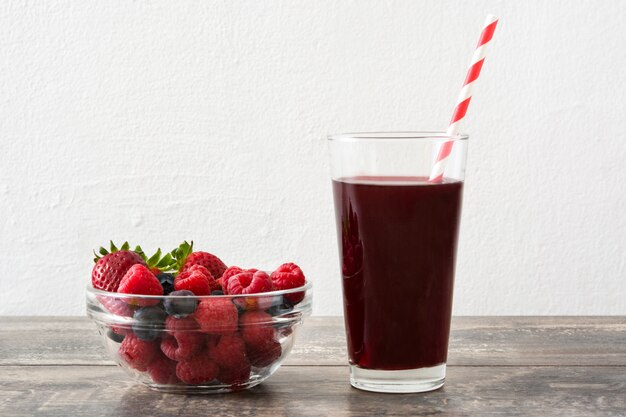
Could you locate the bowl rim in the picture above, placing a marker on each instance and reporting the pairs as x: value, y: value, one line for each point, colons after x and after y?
x: 101, y: 293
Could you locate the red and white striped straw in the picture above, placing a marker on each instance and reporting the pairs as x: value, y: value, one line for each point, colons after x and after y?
x: 463, y: 101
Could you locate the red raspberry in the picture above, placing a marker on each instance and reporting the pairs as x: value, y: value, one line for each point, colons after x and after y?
x: 115, y: 306
x: 174, y: 325
x: 217, y: 316
x: 139, y: 280
x: 197, y: 279
x: 286, y: 277
x: 265, y: 354
x: 211, y: 262
x: 137, y: 353
x: 249, y: 283
x: 230, y: 355
x: 163, y: 371
x: 183, y: 338
x: 212, y: 340
x: 184, y: 346
x: 257, y: 329
x: 119, y: 308
x: 197, y: 370
x: 231, y: 272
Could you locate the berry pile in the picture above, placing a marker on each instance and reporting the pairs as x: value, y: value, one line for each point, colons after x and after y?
x: 183, y: 339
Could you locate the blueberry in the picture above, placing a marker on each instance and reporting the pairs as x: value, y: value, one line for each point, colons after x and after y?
x: 167, y: 282
x: 180, y: 307
x: 241, y: 305
x: 281, y: 308
x: 217, y: 292
x: 149, y: 322
x: 117, y: 338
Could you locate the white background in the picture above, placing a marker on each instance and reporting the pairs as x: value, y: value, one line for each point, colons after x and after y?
x: 158, y: 121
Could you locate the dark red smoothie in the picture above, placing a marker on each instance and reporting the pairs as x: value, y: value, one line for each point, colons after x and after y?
x: 398, y: 239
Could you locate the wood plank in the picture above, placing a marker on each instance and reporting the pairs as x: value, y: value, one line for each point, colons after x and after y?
x: 321, y: 341
x: 319, y: 391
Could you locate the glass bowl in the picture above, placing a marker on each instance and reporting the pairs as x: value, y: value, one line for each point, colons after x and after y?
x: 228, y: 343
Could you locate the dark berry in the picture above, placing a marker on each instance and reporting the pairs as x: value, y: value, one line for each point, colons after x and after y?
x: 282, y: 308
x: 149, y: 323
x: 167, y: 282
x: 217, y: 292
x: 241, y: 305
x: 181, y: 306
x: 117, y: 338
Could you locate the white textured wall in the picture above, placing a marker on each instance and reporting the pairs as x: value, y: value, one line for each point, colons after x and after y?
x: 157, y: 121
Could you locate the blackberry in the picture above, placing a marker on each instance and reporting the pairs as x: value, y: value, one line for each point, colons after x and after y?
x: 149, y: 322
x: 167, y: 282
x: 182, y: 306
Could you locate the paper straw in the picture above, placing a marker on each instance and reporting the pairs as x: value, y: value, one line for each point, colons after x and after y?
x: 464, y: 98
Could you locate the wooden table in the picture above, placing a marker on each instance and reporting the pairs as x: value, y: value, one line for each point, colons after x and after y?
x: 498, y: 366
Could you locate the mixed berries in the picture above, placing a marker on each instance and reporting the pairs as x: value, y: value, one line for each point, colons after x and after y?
x: 186, y: 339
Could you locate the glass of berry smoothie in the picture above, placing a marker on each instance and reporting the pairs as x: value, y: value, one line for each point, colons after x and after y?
x: 397, y: 233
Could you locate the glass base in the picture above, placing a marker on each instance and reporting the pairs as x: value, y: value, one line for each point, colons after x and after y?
x: 405, y: 381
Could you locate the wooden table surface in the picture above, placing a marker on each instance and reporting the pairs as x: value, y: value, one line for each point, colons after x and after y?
x: 498, y: 366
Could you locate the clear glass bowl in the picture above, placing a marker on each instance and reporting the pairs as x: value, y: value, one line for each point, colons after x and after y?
x: 156, y: 348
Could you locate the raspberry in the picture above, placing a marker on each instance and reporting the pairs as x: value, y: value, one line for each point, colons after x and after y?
x: 230, y: 355
x: 288, y: 276
x: 231, y: 272
x: 264, y: 355
x: 197, y: 370
x: 217, y: 316
x: 184, y: 346
x: 119, y: 308
x: 249, y: 283
x: 163, y: 370
x: 115, y: 306
x: 212, y: 340
x: 207, y: 260
x: 139, y: 280
x: 184, y: 339
x: 197, y: 279
x: 138, y: 354
x: 257, y: 329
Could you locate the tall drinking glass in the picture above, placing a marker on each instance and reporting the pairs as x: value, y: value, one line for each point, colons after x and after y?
x: 397, y: 237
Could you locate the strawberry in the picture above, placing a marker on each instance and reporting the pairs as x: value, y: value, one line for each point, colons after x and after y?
x: 141, y: 281
x: 112, y: 265
x: 111, y: 268
x: 186, y: 258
